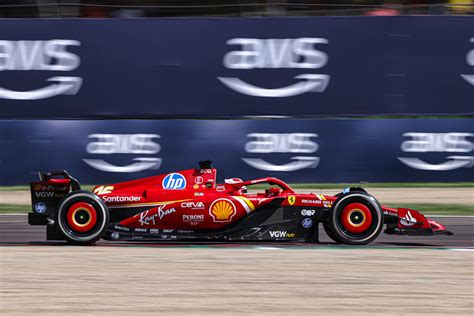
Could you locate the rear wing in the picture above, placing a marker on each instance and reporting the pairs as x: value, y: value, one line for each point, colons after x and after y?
x: 45, y: 177
x: 50, y: 189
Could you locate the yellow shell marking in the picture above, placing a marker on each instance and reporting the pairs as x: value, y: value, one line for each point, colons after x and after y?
x: 222, y: 210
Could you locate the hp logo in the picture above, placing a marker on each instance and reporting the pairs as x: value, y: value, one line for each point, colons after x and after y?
x: 307, y: 223
x: 174, y: 181
x: 40, y: 207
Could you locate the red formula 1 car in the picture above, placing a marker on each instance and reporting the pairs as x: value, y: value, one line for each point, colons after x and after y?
x: 190, y: 205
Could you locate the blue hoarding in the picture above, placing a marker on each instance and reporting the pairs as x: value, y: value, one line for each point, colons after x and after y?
x: 388, y: 150
x: 168, y: 68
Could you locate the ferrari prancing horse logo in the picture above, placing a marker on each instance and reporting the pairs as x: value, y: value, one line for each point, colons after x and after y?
x: 291, y: 199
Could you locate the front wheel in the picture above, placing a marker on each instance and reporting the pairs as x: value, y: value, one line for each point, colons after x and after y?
x: 355, y: 219
x: 82, y: 217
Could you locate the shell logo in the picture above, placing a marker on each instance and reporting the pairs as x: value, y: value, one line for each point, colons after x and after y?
x: 222, y: 210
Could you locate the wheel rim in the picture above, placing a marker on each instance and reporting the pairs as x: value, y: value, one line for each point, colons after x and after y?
x: 351, y: 201
x: 81, y: 217
x: 356, y: 218
x: 70, y: 230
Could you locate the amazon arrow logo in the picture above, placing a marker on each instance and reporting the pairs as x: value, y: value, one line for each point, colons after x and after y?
x: 310, y: 83
x: 64, y: 85
x: 138, y: 144
x: 297, y: 53
x: 298, y: 163
x: 41, y: 55
x: 141, y: 164
x: 272, y: 143
x: 457, y: 144
x: 453, y: 163
x: 470, y: 62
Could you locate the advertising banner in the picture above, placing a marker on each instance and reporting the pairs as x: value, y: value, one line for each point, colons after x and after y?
x: 297, y: 151
x: 236, y: 67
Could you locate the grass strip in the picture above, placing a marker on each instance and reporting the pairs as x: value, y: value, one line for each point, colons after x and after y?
x: 14, y: 208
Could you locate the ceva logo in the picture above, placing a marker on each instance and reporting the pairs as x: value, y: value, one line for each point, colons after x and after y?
x: 456, y: 145
x: 273, y: 53
x: 295, y: 143
x: 138, y: 144
x: 470, y: 62
x: 51, y: 55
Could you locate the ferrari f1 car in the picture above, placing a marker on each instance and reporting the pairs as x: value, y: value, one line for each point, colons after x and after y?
x: 189, y: 205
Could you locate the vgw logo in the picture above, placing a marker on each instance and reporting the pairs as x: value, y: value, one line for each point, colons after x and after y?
x: 297, y: 53
x: 295, y: 143
x: 470, y: 62
x: 438, y: 143
x: 138, y: 144
x: 49, y: 55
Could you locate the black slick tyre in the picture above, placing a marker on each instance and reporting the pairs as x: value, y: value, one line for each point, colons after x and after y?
x: 82, y: 217
x: 355, y: 218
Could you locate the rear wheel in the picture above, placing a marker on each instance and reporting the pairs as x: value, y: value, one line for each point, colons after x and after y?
x: 355, y: 219
x: 82, y: 217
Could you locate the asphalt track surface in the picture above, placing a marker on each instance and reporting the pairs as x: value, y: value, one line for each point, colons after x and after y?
x: 396, y: 275
x: 14, y: 230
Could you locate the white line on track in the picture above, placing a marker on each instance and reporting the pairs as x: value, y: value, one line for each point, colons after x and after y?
x: 267, y: 248
x: 461, y: 249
